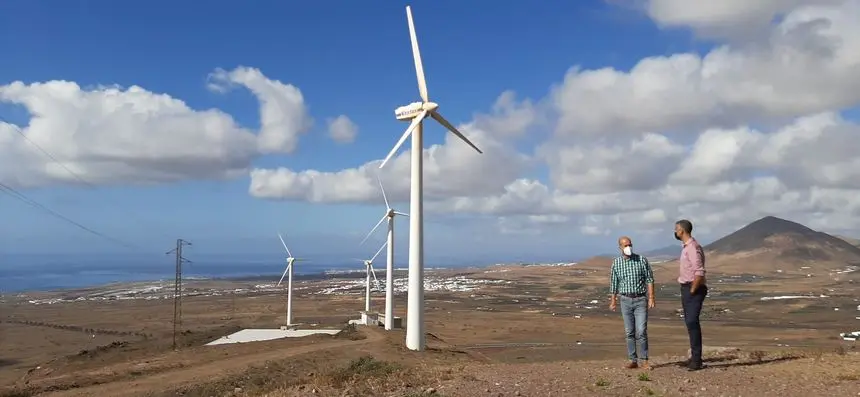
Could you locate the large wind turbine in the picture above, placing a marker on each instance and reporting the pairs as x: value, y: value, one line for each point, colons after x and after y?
x: 368, y: 265
x: 416, y: 112
x: 288, y: 270
x: 389, y: 264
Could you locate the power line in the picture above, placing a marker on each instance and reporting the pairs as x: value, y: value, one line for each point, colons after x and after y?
x: 23, y: 198
x: 60, y: 163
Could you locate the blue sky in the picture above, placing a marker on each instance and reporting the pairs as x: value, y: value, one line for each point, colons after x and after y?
x: 347, y: 58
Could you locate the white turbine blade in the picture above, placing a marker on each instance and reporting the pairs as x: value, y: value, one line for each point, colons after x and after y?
x: 438, y: 117
x: 412, y: 126
x: 373, y: 272
x: 400, y: 213
x: 286, y: 269
x: 384, y: 197
x: 285, y: 245
x: 378, y: 251
x: 374, y: 229
x: 416, y: 54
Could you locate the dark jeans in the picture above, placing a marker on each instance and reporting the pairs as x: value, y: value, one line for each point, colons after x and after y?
x: 692, y: 304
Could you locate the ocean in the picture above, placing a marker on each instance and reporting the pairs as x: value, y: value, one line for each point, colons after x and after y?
x: 21, y: 273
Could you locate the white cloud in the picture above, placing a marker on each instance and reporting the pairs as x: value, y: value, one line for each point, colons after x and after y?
x: 112, y: 135
x: 450, y: 169
x: 750, y: 129
x: 810, y: 62
x: 341, y: 129
x: 283, y: 113
x: 726, y: 17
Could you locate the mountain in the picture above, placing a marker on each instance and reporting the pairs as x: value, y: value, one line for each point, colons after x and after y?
x: 850, y: 240
x: 665, y: 253
x: 772, y: 242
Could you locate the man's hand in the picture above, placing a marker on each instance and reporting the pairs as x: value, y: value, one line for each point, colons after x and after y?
x: 612, y: 305
x: 651, y: 303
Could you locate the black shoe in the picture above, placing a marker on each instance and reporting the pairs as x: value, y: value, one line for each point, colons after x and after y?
x: 695, y: 366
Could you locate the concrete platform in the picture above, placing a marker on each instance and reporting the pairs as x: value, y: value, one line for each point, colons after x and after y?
x: 257, y: 335
x: 397, y: 322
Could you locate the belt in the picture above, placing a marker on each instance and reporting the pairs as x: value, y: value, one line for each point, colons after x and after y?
x: 633, y: 295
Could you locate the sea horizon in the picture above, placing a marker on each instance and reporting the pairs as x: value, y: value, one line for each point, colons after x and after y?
x: 21, y: 273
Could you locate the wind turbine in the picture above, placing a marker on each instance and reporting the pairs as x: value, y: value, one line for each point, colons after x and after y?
x: 389, y: 264
x: 368, y: 264
x: 288, y: 270
x: 417, y: 112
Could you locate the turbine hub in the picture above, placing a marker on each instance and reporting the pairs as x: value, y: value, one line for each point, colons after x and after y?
x: 430, y: 106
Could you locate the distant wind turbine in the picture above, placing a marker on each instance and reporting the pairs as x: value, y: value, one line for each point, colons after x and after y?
x: 389, y: 264
x: 368, y: 266
x: 288, y: 271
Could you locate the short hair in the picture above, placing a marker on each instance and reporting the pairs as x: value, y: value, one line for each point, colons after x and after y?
x: 686, y: 226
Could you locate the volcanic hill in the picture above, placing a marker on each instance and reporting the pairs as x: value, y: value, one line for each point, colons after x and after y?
x: 772, y: 243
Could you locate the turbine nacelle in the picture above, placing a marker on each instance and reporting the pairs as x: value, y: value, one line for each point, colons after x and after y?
x: 408, y: 112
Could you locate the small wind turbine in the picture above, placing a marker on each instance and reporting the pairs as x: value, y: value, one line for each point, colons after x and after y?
x: 368, y: 265
x: 389, y: 264
x: 288, y: 270
x: 416, y: 112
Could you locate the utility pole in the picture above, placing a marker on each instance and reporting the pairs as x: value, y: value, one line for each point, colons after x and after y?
x: 177, y: 287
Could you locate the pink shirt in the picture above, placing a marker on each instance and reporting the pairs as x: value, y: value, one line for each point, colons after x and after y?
x: 692, y: 262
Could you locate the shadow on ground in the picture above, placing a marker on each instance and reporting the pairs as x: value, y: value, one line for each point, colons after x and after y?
x: 5, y: 362
x: 724, y: 362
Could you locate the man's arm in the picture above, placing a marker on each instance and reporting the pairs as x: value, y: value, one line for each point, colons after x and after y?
x: 698, y: 261
x: 613, y: 284
x: 649, y: 280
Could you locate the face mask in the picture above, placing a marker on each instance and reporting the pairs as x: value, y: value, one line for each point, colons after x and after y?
x: 627, y: 251
x: 677, y: 237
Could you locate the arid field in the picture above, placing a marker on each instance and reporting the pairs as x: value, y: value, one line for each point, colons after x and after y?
x: 498, y: 331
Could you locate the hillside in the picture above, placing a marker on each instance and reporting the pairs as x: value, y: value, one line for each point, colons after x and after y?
x: 774, y: 242
x: 850, y: 240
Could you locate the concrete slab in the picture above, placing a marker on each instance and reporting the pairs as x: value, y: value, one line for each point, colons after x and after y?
x: 257, y: 335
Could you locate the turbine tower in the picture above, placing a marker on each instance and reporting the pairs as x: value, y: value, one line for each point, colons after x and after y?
x: 368, y: 265
x: 288, y: 270
x: 416, y: 112
x: 389, y: 264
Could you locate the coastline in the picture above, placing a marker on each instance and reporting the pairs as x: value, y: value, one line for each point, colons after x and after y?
x: 330, y: 282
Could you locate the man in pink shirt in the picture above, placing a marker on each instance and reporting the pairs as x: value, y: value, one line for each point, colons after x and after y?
x: 691, y: 276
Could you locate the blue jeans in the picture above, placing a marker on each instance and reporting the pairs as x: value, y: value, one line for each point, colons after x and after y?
x: 634, y: 311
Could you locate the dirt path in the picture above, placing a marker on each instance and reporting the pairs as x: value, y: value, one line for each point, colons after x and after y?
x: 201, y: 373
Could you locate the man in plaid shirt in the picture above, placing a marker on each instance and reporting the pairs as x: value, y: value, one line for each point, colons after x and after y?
x: 631, y: 281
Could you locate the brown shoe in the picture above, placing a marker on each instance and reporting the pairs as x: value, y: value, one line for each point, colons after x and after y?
x: 644, y: 365
x: 631, y: 365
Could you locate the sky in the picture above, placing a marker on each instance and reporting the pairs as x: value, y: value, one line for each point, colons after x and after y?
x: 225, y: 125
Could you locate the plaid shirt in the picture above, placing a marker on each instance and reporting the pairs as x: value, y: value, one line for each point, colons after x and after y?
x: 630, y: 275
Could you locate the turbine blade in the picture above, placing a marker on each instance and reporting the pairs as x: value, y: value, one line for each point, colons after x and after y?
x: 384, y: 197
x: 438, y: 117
x: 416, y: 55
x: 374, y: 229
x: 373, y: 272
x: 378, y: 251
x: 283, y: 275
x: 285, y: 245
x: 415, y: 122
x: 400, y: 213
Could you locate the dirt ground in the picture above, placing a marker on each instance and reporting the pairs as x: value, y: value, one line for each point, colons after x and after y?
x: 535, y: 331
